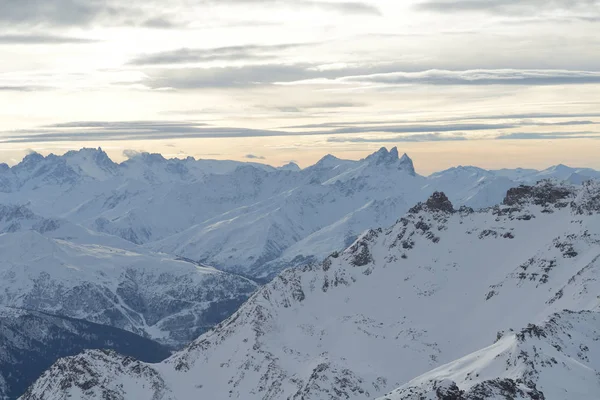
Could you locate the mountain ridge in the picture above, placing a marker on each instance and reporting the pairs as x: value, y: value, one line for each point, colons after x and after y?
x: 325, y: 330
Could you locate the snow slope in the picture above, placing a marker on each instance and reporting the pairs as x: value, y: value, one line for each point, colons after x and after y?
x: 149, y: 294
x: 438, y: 286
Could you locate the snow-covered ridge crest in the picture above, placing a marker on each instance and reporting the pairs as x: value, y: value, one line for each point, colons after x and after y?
x: 341, y: 329
x: 558, y: 355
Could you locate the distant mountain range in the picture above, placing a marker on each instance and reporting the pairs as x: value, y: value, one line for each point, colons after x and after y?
x: 246, y: 218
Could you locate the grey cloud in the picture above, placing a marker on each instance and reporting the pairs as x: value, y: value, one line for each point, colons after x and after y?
x: 344, y: 7
x: 524, y: 119
x: 148, y: 13
x: 254, y: 157
x: 130, y: 153
x: 347, y: 7
x: 508, y: 7
x: 424, y: 137
x: 42, y: 39
x: 23, y: 88
x: 196, y: 78
x: 373, y: 75
x: 229, y: 53
x: 549, y: 135
x: 481, y: 77
x: 315, y: 106
x: 123, y: 125
x: 160, y: 130
x: 66, y: 13
x: 250, y: 75
x: 419, y: 128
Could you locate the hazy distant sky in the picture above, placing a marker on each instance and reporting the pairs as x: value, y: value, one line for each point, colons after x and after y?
x: 492, y: 83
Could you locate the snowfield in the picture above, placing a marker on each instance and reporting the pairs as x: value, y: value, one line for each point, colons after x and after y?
x: 446, y: 303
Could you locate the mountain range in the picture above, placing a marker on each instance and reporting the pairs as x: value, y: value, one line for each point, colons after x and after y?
x: 447, y: 303
x: 247, y: 218
x: 166, y: 250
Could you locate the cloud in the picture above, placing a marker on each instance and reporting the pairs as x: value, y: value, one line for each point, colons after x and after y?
x: 419, y: 128
x: 424, y: 137
x: 130, y: 153
x: 509, y: 7
x: 78, y: 13
x: 158, y: 130
x: 365, y: 76
x: 479, y: 77
x: 253, y: 74
x: 144, y: 13
x: 22, y: 88
x: 343, y: 7
x: 42, y: 39
x: 314, y: 106
x: 254, y: 157
x: 347, y: 7
x: 523, y: 120
x: 87, y: 131
x: 549, y: 135
x: 250, y: 75
x: 229, y: 53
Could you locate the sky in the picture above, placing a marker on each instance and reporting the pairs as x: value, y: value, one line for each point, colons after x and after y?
x: 493, y: 83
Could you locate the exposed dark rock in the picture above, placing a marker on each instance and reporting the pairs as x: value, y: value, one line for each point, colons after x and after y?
x: 437, y: 202
x: 542, y: 194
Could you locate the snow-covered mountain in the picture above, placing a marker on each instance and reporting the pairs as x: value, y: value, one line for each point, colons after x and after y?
x: 247, y: 218
x: 152, y: 295
x: 30, y: 342
x: 444, y: 304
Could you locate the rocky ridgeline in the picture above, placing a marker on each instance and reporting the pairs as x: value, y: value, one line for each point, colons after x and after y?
x: 434, y: 288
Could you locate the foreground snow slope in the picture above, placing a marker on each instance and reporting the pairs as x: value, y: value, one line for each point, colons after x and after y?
x: 557, y: 360
x: 437, y: 286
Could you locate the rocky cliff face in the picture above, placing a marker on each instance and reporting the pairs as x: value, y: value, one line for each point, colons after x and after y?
x: 438, y: 286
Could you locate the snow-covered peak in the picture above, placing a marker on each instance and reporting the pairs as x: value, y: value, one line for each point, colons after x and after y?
x: 406, y: 164
x: 291, y: 166
x: 391, y: 159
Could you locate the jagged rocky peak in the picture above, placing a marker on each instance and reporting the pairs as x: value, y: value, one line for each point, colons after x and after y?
x: 153, y: 158
x: 31, y: 160
x: 438, y: 201
x: 391, y: 158
x: 544, y: 193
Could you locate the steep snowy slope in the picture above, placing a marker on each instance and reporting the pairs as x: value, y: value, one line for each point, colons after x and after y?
x: 437, y: 286
x: 30, y: 342
x: 245, y: 239
x: 557, y: 360
x: 148, y: 294
x: 470, y: 186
